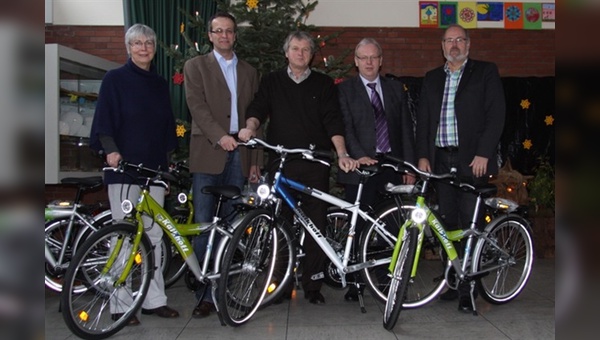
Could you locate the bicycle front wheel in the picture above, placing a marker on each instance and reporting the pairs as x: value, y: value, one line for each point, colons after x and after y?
x: 400, y: 278
x: 247, y: 267
x: 105, y: 308
x: 507, y: 255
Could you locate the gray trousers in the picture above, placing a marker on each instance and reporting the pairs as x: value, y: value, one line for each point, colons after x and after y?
x: 156, y: 296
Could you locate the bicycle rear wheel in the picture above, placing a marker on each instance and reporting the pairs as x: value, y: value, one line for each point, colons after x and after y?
x: 104, y: 309
x: 507, y: 254
x: 336, y: 232
x: 247, y: 267
x: 400, y: 278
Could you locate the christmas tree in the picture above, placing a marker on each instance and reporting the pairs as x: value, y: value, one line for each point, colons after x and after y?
x: 263, y: 25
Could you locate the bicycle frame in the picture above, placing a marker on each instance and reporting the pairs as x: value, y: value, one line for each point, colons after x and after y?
x: 281, y: 183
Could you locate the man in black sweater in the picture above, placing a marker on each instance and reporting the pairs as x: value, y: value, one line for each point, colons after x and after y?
x: 302, y: 108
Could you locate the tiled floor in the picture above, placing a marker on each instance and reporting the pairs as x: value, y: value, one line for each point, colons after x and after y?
x: 529, y: 316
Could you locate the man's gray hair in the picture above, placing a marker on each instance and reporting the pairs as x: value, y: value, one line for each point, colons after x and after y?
x: 300, y: 35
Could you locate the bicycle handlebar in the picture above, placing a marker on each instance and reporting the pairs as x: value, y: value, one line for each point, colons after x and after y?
x: 140, y: 167
x: 308, y: 154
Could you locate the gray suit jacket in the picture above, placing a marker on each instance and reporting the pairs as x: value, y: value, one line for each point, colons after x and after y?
x: 209, y: 101
x: 360, y: 121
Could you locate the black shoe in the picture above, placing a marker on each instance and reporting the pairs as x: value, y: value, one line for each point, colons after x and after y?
x: 449, y: 295
x: 314, y: 297
x: 351, y: 294
x: 203, y: 309
x: 465, y: 305
x: 132, y: 322
x: 163, y: 312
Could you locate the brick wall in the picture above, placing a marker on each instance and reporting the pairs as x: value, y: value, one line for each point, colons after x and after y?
x: 407, y: 52
x: 102, y: 41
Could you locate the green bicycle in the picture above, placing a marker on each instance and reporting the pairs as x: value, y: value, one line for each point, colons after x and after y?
x: 117, y: 262
x: 497, y: 260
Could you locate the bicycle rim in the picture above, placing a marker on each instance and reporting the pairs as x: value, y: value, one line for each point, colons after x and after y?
x: 400, y: 279
x: 509, y: 259
x: 104, y: 309
x: 55, y: 237
x: 247, y: 268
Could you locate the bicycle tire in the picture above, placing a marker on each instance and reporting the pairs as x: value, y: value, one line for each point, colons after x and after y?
x: 247, y: 267
x: 283, y: 273
x: 513, y: 253
x: 400, y: 278
x: 90, y: 314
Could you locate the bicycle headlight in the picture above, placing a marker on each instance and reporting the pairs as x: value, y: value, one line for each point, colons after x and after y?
x: 418, y: 215
x: 127, y: 206
x: 263, y: 191
x: 182, y: 197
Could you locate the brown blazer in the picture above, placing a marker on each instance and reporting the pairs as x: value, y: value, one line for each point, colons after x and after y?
x: 209, y: 101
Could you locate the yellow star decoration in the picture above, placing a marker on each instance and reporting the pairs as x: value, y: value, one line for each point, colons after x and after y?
x: 180, y: 130
x: 252, y: 4
x: 527, y: 144
x: 549, y: 120
x: 525, y: 104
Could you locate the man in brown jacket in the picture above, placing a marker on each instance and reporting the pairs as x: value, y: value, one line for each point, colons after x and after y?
x: 218, y: 89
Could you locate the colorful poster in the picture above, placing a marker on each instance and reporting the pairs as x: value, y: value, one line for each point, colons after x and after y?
x: 428, y: 12
x: 467, y: 14
x: 490, y: 11
x: 513, y: 15
x: 549, y: 12
x: 447, y: 14
x: 532, y: 16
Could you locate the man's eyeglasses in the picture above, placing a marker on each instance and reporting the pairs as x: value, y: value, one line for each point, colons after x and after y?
x: 140, y: 44
x: 220, y: 31
x: 369, y: 58
x: 450, y: 41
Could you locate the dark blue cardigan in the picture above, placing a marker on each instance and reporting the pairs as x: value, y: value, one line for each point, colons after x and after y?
x: 134, y: 108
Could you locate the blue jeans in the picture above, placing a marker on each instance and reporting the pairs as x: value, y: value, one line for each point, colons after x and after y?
x: 205, y: 204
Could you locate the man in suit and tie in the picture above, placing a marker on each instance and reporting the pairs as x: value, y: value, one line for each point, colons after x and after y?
x: 377, y: 122
x: 219, y: 87
x: 459, y: 124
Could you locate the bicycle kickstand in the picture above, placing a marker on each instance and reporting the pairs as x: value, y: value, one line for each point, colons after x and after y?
x: 472, y: 293
x: 361, y: 300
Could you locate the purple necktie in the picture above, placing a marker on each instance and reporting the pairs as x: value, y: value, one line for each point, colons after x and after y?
x: 383, y: 141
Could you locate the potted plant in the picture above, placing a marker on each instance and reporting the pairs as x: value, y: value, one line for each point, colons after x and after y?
x: 541, y: 194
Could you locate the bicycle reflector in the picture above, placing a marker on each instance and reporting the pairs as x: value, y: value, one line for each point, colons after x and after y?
x: 127, y: 206
x: 418, y: 215
x: 83, y: 316
x: 182, y: 197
